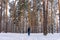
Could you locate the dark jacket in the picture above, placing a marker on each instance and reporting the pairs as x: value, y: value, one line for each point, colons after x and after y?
x: 29, y: 31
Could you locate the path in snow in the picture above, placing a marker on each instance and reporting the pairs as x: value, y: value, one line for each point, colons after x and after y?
x: 33, y: 36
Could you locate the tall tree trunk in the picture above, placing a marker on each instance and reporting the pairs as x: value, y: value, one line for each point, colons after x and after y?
x: 51, y: 17
x: 46, y: 13
x: 22, y: 10
x: 29, y: 15
x: 35, y: 19
x: 0, y: 14
x: 6, y: 14
x: 59, y: 12
x: 15, y: 27
x: 45, y: 19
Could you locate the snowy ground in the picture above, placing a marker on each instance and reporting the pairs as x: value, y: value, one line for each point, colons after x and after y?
x: 33, y: 36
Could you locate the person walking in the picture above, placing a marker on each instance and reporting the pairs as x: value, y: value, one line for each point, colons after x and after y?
x: 28, y: 31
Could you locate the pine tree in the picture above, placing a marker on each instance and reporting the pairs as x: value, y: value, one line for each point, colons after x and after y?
x: 51, y: 16
x: 46, y: 13
x: 6, y: 14
x: 29, y: 15
x: 44, y: 19
x: 59, y: 11
x: 0, y: 14
x: 35, y: 19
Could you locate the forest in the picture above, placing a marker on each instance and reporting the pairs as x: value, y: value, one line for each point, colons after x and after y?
x: 42, y: 16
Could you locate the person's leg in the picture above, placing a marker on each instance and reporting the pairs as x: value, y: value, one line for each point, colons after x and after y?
x: 29, y: 33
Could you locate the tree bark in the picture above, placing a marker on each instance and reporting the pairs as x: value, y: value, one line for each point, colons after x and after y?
x: 59, y: 13
x: 0, y: 14
x: 6, y: 14
x: 44, y: 19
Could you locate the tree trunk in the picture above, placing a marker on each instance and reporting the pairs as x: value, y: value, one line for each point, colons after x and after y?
x: 35, y: 19
x: 44, y: 19
x: 6, y: 14
x: 29, y: 15
x: 59, y: 14
x: 0, y: 14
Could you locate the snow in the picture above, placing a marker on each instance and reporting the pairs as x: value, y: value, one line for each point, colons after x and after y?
x: 33, y: 36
